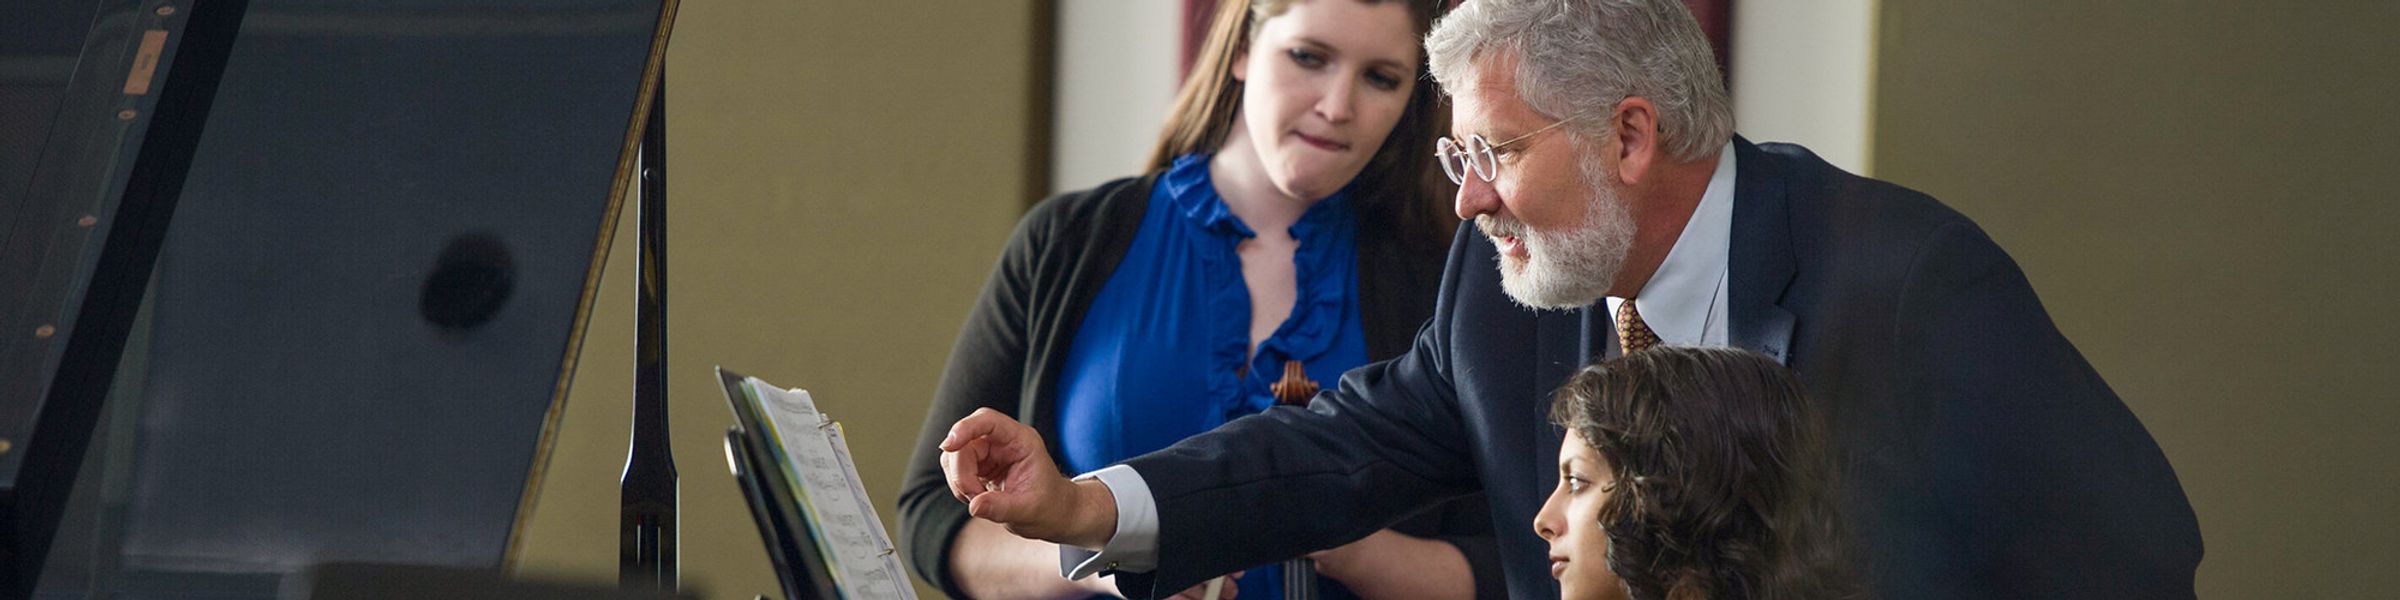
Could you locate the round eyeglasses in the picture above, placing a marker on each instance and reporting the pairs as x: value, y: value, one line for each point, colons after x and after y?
x: 1477, y: 155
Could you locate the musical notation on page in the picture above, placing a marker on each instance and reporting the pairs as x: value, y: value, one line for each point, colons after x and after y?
x: 810, y: 447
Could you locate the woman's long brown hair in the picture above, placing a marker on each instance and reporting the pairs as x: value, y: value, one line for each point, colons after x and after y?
x: 1399, y: 192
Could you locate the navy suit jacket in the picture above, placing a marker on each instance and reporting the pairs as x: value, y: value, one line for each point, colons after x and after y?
x: 1982, y: 456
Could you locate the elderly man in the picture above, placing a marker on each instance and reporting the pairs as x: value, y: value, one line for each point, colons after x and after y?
x: 1595, y: 149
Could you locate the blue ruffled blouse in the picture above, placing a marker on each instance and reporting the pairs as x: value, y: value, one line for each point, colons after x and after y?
x: 1160, y: 355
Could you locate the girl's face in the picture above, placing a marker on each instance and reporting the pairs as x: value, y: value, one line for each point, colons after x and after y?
x: 1570, y: 521
x: 1324, y: 84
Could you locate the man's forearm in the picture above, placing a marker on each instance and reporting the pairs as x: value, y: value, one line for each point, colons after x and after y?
x: 1094, y: 517
x: 1115, y: 515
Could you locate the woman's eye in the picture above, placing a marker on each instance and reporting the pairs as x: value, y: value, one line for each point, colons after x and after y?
x: 1306, y: 58
x: 1382, y: 81
x: 1575, y: 485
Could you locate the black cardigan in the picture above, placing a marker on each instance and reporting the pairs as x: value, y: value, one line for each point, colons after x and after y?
x: 1009, y: 354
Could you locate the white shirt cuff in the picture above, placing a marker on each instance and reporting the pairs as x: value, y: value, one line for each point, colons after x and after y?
x: 1134, y: 546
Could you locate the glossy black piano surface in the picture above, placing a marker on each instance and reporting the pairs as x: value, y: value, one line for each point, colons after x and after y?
x: 359, y: 319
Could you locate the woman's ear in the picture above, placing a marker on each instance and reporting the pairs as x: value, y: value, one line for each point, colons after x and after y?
x: 1241, y: 66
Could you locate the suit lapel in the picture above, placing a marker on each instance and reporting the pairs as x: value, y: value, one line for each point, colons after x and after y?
x: 1564, y: 343
x: 1599, y: 332
x: 1759, y: 259
x: 1563, y: 349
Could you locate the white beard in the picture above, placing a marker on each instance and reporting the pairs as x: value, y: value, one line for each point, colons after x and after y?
x: 1567, y: 269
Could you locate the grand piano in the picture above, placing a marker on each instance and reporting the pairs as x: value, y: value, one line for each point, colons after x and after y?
x: 295, y: 283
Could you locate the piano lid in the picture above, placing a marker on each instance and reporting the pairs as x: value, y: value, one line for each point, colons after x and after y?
x: 363, y: 311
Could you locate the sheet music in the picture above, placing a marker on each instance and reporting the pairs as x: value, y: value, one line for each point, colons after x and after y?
x: 825, y: 480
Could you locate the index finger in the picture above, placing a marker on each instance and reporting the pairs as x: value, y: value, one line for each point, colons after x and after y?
x: 964, y: 469
x: 984, y: 422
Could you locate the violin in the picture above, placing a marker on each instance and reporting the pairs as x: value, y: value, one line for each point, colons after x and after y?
x: 1299, y: 574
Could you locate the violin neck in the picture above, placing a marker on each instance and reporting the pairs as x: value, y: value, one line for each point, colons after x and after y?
x: 1300, y: 579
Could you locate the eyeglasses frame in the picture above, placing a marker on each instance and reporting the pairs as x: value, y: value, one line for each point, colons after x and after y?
x: 1448, y: 146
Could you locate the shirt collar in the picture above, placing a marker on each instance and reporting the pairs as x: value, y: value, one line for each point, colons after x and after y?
x: 1676, y: 302
x: 1196, y: 198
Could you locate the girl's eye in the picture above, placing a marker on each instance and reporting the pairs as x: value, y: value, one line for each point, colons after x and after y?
x: 1306, y: 58
x: 1575, y: 485
x: 1383, y: 82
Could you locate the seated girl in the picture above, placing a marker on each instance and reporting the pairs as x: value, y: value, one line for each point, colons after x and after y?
x: 1688, y: 474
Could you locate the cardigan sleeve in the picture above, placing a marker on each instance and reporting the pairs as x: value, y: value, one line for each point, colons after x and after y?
x: 1008, y: 346
x: 987, y: 369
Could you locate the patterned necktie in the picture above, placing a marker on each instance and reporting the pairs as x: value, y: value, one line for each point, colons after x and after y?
x: 1632, y: 334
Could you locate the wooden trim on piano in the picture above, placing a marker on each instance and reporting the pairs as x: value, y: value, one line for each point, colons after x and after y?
x: 624, y: 178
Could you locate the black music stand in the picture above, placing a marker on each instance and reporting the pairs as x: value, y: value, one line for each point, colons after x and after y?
x: 791, y: 543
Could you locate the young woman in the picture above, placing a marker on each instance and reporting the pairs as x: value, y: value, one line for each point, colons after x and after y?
x: 1692, y: 474
x: 1291, y: 224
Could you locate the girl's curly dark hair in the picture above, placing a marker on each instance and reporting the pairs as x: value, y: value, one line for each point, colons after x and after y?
x: 1724, y: 484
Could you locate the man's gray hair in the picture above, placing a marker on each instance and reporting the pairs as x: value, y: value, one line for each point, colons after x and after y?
x: 1579, y: 58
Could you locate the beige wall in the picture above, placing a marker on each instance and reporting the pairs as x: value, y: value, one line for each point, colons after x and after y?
x: 1803, y: 72
x: 2203, y: 193
x: 842, y: 175
x: 1116, y: 77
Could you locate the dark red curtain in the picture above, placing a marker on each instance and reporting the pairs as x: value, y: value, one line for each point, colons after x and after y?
x: 1716, y: 20
x: 1195, y: 32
